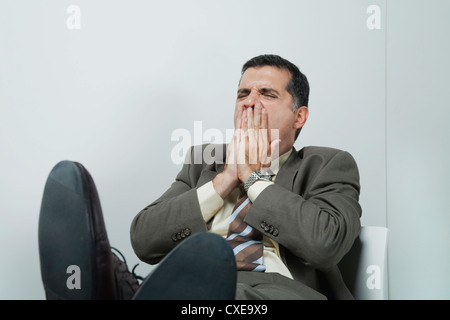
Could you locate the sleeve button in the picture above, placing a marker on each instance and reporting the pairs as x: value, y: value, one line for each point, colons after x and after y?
x: 263, y: 224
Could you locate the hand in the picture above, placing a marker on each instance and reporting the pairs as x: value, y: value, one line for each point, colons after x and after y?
x: 255, y: 151
x: 227, y: 180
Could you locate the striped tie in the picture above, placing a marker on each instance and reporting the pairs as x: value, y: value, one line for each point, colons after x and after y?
x: 245, y: 241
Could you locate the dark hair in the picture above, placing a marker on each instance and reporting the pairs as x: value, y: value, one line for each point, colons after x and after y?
x: 298, y: 86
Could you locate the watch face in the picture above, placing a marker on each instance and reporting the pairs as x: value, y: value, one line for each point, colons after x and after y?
x: 263, y: 172
x: 263, y: 175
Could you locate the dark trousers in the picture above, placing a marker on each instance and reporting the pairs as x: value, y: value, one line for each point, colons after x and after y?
x: 203, y: 267
x: 272, y: 286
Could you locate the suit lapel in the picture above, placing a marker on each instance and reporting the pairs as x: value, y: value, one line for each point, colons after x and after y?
x: 285, y: 178
x: 288, y: 171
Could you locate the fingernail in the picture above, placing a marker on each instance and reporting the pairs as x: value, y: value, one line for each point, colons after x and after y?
x: 264, y: 110
x: 258, y: 106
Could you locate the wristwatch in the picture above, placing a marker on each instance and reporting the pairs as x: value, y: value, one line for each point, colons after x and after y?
x: 255, y: 176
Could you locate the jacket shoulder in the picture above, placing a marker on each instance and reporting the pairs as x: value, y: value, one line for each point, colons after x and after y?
x: 325, y: 152
x: 322, y: 156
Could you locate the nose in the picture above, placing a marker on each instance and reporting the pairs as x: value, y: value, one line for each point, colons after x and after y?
x: 251, y: 100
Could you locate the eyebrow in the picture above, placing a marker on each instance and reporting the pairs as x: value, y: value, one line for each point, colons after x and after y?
x: 262, y: 90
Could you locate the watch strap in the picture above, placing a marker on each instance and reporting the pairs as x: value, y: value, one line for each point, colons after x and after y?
x: 255, y: 176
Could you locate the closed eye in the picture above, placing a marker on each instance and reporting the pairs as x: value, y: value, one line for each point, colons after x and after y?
x: 269, y: 92
x: 242, y: 93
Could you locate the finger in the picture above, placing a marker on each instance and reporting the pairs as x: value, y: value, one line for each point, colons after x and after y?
x: 275, y: 149
x: 253, y: 156
x: 264, y: 149
x: 264, y: 119
x: 231, y: 150
x: 238, y: 118
x: 257, y: 116
x: 252, y: 138
x: 250, y: 118
x: 251, y: 122
x: 264, y: 138
x: 240, y: 148
x: 244, y: 119
x: 256, y: 126
x: 273, y: 161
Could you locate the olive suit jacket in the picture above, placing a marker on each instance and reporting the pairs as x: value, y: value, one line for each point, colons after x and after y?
x: 313, y: 205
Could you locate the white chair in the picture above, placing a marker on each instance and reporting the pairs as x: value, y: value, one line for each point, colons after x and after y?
x: 364, y: 267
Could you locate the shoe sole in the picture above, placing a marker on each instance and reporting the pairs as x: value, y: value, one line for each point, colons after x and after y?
x: 74, y: 250
x: 179, y: 276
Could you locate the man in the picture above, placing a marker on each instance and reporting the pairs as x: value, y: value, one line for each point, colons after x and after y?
x: 300, y: 213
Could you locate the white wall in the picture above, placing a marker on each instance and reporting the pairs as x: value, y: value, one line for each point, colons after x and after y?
x: 109, y: 95
x: 418, y: 148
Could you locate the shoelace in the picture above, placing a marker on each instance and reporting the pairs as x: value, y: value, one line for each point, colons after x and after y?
x: 133, y: 273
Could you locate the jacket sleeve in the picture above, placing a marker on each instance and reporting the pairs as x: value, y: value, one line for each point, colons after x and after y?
x: 159, y: 227
x: 320, y: 222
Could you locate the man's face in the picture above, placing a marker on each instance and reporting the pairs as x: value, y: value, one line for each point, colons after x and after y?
x: 267, y: 86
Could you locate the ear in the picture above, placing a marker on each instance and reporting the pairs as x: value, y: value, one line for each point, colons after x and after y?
x: 301, y: 115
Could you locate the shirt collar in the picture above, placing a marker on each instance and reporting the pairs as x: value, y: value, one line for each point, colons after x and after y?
x: 278, y: 163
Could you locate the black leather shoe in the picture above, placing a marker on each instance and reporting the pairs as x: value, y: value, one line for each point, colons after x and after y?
x: 75, y: 254
x: 127, y: 283
x: 202, y: 267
